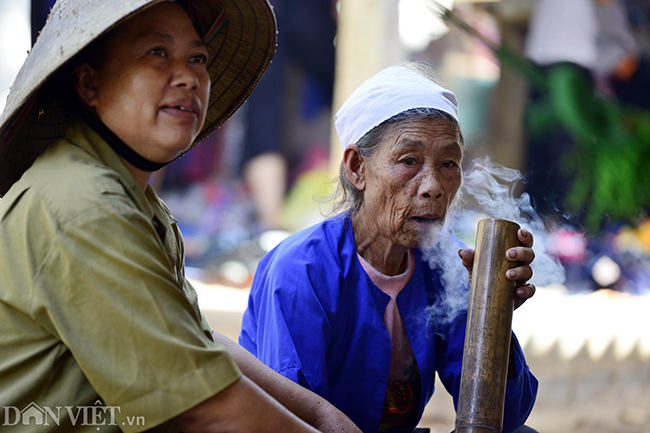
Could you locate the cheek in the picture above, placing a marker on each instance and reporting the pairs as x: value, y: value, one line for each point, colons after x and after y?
x: 398, y: 202
x: 397, y: 192
x: 456, y: 186
x: 452, y: 185
x: 381, y: 199
x: 205, y: 94
x: 452, y: 181
x: 116, y: 95
x: 389, y: 194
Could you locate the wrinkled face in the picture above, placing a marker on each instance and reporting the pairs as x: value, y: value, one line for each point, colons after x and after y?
x: 412, y: 178
x: 152, y: 89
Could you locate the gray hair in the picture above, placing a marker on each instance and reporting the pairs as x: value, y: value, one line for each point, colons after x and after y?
x: 347, y: 196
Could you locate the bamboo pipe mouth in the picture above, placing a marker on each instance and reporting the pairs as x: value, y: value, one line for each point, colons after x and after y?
x: 489, y: 325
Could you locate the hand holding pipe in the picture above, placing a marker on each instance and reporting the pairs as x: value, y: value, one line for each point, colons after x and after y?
x: 489, y: 326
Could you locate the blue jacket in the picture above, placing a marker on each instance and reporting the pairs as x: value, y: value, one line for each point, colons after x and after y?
x: 315, y: 316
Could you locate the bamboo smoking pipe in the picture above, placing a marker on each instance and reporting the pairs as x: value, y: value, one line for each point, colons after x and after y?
x: 489, y: 325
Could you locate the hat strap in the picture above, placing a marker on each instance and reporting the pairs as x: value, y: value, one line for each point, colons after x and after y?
x: 119, y: 146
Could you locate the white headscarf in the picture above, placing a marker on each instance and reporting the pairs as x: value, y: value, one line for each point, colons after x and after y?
x: 392, y: 91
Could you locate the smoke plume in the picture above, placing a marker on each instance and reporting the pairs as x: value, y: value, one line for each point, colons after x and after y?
x: 488, y: 190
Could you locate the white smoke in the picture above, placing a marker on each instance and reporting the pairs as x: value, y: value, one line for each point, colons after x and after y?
x: 454, y: 297
x: 492, y: 187
x: 488, y: 191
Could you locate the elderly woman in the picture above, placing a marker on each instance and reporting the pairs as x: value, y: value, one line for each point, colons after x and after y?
x: 344, y: 307
x: 100, y: 328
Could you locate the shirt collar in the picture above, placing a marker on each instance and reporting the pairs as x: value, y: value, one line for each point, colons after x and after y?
x: 81, y: 135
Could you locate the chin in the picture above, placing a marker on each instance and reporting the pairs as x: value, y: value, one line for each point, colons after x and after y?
x: 428, y: 237
x: 173, y: 140
x: 410, y: 240
x: 172, y: 151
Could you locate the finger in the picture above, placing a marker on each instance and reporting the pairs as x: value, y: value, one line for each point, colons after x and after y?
x: 525, y: 237
x: 521, y: 254
x: 519, y: 302
x: 520, y: 273
x: 467, y: 256
x: 526, y: 292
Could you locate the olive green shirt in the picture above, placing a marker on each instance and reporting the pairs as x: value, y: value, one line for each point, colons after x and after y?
x: 99, y: 329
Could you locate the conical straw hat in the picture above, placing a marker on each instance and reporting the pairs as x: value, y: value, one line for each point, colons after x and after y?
x: 240, y: 36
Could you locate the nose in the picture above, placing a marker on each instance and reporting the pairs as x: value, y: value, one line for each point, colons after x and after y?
x: 184, y: 75
x: 430, y: 186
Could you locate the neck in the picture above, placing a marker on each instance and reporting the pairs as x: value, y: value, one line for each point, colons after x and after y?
x: 141, y: 177
x: 379, y: 251
x: 125, y: 152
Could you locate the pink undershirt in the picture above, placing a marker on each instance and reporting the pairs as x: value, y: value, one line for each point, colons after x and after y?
x: 403, y: 356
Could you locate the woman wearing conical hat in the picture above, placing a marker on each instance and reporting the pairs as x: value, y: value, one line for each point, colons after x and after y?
x: 100, y: 329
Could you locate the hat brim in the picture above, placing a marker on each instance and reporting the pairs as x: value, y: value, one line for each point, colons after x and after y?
x: 240, y: 51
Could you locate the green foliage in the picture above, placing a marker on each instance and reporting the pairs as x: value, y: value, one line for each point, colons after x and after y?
x: 609, y: 163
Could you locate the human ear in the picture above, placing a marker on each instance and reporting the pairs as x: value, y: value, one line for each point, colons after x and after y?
x: 354, y: 166
x: 85, y: 85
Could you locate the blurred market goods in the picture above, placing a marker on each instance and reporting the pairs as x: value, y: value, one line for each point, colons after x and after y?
x: 608, y: 178
x: 617, y: 258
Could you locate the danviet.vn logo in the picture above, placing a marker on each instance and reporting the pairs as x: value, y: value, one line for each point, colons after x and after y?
x: 97, y: 415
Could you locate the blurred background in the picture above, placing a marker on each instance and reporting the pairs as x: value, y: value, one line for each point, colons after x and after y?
x: 554, y: 98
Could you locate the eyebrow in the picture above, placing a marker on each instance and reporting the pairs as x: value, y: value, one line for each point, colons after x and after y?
x: 170, y: 38
x: 454, y: 146
x: 418, y: 143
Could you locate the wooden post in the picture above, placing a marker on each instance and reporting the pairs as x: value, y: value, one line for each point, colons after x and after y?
x: 366, y: 43
x: 489, y: 325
